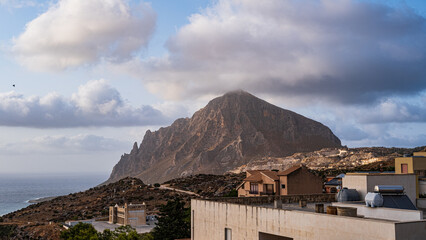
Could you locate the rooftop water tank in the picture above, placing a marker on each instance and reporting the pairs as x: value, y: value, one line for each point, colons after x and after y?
x: 389, y: 189
x: 374, y: 200
x: 346, y: 195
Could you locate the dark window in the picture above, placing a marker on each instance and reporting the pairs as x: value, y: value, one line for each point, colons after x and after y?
x: 283, y: 186
x: 254, y: 188
x: 267, y: 236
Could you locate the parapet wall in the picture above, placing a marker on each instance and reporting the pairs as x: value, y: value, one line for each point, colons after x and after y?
x: 211, y: 220
x: 311, y: 198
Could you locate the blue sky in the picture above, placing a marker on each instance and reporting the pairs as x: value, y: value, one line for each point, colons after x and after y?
x: 92, y: 76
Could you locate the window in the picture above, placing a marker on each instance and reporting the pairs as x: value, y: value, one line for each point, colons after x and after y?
x: 404, y: 168
x: 254, y: 188
x: 283, y: 186
x: 228, y: 234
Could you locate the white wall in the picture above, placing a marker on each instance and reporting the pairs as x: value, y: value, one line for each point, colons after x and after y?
x: 384, y: 213
x: 209, y: 220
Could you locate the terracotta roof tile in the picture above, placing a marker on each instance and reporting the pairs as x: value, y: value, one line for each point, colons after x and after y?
x: 271, y: 174
x: 254, y: 178
x: 290, y: 170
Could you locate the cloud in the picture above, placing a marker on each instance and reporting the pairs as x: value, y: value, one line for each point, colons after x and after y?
x: 95, y: 104
x: 388, y: 140
x: 343, y: 52
x: 393, y: 111
x: 77, y: 144
x: 73, y: 33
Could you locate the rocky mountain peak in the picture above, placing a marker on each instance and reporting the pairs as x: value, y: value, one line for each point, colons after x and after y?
x: 230, y: 131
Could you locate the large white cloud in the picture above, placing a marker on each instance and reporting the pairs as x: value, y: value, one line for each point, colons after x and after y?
x: 95, y: 104
x: 72, y: 33
x: 338, y: 51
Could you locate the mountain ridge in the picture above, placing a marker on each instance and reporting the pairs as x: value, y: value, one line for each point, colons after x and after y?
x: 228, y: 132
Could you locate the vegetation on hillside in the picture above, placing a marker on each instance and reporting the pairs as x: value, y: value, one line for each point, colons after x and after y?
x: 83, y: 231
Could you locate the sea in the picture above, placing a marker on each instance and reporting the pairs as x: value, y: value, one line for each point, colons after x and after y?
x: 17, y: 189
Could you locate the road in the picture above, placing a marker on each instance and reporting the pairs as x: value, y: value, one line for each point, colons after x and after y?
x: 178, y: 190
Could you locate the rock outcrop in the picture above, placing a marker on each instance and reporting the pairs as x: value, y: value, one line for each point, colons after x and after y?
x: 230, y: 131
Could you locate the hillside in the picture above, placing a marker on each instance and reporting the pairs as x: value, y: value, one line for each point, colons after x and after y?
x: 230, y: 131
x: 342, y: 158
x: 41, y: 220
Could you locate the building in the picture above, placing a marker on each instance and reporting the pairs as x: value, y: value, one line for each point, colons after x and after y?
x: 365, y: 182
x: 133, y: 215
x: 413, y: 164
x: 333, y: 184
x: 224, y: 220
x: 295, y: 180
x: 259, y: 183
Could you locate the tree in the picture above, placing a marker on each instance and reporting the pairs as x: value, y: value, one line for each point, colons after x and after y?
x: 84, y: 231
x: 173, y: 222
x: 120, y: 233
x: 147, y: 236
x: 81, y: 231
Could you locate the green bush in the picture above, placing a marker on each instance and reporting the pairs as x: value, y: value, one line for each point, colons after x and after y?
x: 84, y: 231
x: 232, y: 193
x: 157, y: 185
x: 7, y: 231
x: 81, y: 231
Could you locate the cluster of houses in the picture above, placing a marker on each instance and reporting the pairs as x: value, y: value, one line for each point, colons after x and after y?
x: 296, y: 204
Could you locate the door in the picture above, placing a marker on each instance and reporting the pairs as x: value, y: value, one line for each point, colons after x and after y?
x: 404, y: 168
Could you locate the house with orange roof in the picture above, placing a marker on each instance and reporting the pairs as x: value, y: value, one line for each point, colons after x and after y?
x: 295, y: 180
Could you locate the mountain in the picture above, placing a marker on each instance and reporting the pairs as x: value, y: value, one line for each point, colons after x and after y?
x: 230, y: 131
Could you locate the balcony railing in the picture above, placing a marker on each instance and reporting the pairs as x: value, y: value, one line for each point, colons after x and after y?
x: 254, y: 192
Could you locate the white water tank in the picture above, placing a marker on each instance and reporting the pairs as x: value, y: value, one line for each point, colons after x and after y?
x: 373, y: 200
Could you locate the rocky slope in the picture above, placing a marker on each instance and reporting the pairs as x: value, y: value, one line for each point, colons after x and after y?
x: 332, y: 159
x: 42, y: 220
x: 208, y: 185
x: 230, y: 131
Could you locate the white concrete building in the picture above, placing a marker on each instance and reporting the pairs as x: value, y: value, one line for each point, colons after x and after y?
x: 229, y: 221
x: 365, y: 182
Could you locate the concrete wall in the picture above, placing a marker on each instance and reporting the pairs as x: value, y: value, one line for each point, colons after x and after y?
x: 302, y: 181
x: 285, y: 199
x: 209, y: 220
x: 419, y: 163
x: 283, y: 180
x: 384, y: 213
x: 364, y: 183
x: 421, y: 203
x: 411, y: 230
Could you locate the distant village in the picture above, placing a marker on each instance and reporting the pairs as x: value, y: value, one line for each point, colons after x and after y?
x: 297, y: 204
